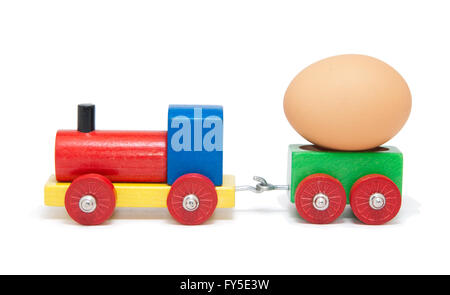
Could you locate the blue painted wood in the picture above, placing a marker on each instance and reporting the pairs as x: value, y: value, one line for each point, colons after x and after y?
x: 195, y: 142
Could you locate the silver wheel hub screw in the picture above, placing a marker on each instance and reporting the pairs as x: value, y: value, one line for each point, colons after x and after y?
x: 377, y: 201
x: 191, y: 202
x: 88, y: 204
x: 321, y: 202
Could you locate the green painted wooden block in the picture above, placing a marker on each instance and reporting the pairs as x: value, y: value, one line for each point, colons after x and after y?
x: 347, y: 167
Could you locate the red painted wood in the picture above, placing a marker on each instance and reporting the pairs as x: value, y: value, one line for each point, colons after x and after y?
x: 360, y: 196
x: 315, y: 184
x: 198, y: 185
x: 121, y: 156
x: 94, y: 185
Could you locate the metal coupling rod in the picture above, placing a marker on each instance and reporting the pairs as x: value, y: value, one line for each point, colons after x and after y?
x: 261, y: 186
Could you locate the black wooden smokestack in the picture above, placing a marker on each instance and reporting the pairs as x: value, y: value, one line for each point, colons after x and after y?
x: 86, y: 117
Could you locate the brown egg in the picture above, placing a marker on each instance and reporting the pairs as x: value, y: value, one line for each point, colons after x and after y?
x: 348, y: 102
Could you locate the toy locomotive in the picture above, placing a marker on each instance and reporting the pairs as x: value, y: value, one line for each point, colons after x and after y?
x: 347, y: 106
x: 180, y: 169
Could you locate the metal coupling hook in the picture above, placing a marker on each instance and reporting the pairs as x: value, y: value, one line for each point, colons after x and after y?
x: 261, y: 186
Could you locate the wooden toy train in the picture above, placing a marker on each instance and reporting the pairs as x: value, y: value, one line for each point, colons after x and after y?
x: 181, y: 169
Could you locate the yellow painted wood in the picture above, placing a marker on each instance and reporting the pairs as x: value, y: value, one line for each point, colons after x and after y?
x: 139, y: 194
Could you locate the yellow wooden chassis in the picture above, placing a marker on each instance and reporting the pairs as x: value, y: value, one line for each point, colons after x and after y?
x: 139, y: 194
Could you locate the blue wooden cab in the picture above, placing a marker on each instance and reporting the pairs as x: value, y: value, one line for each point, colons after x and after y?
x: 195, y: 142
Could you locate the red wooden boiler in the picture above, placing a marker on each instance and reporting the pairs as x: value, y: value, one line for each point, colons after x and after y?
x: 121, y: 156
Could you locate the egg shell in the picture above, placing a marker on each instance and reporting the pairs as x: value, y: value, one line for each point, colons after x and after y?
x: 348, y: 102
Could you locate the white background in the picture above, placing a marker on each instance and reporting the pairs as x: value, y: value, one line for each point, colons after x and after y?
x: 133, y: 58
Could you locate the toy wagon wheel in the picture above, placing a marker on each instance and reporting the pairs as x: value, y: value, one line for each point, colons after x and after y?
x: 320, y: 198
x: 192, y: 199
x: 375, y: 199
x: 90, y: 199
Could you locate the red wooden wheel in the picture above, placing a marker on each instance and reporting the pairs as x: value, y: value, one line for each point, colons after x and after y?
x: 90, y: 199
x: 375, y: 199
x: 192, y: 199
x: 320, y: 198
